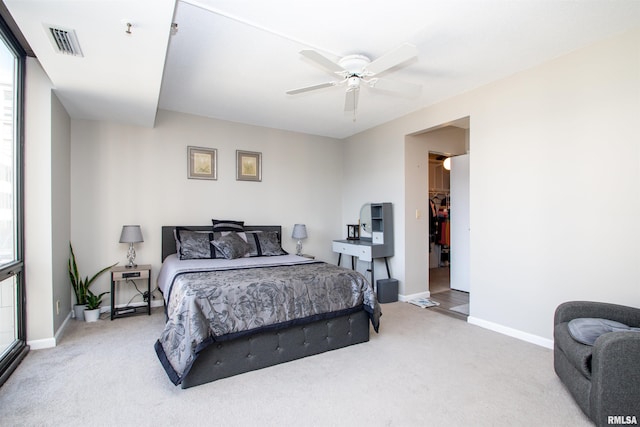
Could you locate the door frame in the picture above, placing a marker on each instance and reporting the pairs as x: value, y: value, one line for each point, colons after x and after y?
x: 417, y: 148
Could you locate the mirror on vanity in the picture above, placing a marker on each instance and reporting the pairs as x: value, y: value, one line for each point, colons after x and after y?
x: 365, y: 222
x: 376, y: 237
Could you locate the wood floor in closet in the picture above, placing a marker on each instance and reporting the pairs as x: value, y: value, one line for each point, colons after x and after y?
x: 439, y: 287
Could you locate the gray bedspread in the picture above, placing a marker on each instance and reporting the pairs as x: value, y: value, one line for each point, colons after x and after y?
x: 206, y: 306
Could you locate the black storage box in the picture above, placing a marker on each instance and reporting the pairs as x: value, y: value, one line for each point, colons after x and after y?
x: 387, y: 290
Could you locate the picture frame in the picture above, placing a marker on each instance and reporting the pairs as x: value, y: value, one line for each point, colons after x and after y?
x: 248, y: 166
x: 202, y: 163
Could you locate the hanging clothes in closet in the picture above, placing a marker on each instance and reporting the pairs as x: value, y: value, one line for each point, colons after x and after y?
x: 443, y: 238
x: 433, y: 222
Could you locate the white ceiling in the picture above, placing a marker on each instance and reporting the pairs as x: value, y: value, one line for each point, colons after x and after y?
x: 234, y: 60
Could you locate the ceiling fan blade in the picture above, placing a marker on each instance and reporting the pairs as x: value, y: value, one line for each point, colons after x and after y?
x: 310, y: 88
x: 322, y: 60
x: 390, y: 59
x: 351, y: 100
x: 402, y: 88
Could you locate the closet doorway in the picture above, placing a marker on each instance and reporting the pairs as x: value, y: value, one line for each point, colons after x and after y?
x: 439, y: 224
x: 427, y: 273
x: 449, y: 282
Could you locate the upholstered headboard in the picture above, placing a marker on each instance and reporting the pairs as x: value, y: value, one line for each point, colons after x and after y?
x: 169, y: 242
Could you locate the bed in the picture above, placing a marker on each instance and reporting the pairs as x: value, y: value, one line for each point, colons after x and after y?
x: 230, y: 315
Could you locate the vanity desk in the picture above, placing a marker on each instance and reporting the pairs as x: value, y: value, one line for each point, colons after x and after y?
x: 376, y: 237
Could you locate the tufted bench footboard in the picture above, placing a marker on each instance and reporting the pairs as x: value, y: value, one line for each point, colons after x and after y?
x: 228, y: 358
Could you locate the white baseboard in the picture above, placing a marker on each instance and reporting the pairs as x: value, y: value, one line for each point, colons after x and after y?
x: 63, y: 327
x: 405, y: 298
x: 50, y: 342
x: 524, y: 336
x: 40, y: 344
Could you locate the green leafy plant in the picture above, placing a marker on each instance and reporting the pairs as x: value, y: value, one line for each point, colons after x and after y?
x: 93, y: 300
x: 81, y: 286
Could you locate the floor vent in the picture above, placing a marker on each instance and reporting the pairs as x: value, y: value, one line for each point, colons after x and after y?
x: 64, y: 40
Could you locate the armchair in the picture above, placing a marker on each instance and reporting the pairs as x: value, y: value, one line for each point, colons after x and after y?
x: 604, y: 379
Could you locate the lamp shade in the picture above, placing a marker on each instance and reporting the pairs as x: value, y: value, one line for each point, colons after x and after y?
x: 131, y: 234
x: 299, y: 231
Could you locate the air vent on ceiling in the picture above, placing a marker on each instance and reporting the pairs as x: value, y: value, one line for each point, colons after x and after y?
x: 64, y: 40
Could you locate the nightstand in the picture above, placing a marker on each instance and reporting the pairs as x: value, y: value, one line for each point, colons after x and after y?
x: 126, y: 275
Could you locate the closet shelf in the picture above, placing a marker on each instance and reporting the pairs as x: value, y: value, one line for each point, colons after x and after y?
x: 439, y: 191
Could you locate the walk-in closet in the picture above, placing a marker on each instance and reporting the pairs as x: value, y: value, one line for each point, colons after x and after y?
x: 451, y: 300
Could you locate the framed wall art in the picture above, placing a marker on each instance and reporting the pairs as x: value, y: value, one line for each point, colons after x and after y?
x: 203, y: 163
x: 248, y: 166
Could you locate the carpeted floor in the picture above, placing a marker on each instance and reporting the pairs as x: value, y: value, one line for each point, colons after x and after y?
x: 424, y: 368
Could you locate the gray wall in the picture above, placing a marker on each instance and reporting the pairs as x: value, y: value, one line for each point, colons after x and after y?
x: 134, y: 175
x: 47, y: 208
x: 554, y: 181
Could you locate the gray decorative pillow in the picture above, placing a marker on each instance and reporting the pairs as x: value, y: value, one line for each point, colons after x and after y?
x: 193, y: 244
x: 227, y: 225
x: 587, y: 330
x: 270, y: 244
x: 254, y: 243
x: 253, y: 251
x: 231, y: 246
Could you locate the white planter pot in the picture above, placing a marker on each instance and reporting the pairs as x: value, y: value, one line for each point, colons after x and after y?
x: 91, y: 315
x: 78, y: 311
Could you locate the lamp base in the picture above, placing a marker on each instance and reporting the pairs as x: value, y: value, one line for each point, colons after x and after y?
x: 131, y: 255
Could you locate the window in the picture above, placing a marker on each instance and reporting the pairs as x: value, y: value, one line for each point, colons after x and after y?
x: 12, y: 326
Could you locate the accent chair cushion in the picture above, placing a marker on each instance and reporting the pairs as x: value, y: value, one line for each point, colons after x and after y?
x: 587, y: 330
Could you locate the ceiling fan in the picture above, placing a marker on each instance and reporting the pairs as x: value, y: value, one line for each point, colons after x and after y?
x: 356, y: 70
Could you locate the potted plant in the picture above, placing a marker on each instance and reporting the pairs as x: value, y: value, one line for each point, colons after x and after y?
x: 92, y: 312
x: 81, y: 286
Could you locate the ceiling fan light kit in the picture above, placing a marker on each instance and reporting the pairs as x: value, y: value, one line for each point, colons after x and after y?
x: 353, y: 83
x: 355, y: 69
